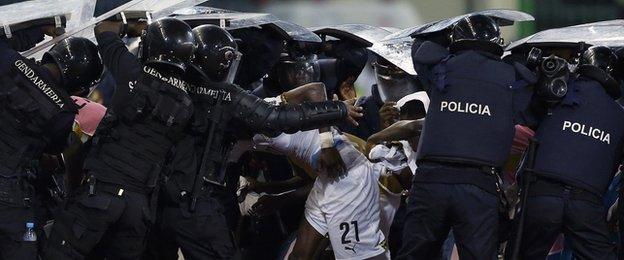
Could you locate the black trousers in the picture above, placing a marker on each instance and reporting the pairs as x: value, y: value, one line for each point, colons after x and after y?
x: 202, y: 234
x: 434, y: 209
x: 581, y: 220
x: 116, y: 223
x: 14, y: 215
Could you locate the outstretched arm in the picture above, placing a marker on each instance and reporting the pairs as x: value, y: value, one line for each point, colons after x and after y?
x: 311, y: 92
x: 262, y: 117
x: 402, y: 130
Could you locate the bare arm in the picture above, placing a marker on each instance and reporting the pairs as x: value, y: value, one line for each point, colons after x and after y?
x: 311, y: 92
x: 401, y: 130
x: 275, y: 187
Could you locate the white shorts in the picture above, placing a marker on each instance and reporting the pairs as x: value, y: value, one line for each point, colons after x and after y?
x: 348, y: 209
x: 389, y: 204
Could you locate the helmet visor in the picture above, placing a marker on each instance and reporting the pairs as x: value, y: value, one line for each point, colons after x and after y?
x: 393, y: 83
x: 297, y: 72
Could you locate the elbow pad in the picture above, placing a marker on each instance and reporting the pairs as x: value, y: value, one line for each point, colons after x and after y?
x: 262, y: 117
x: 293, y: 118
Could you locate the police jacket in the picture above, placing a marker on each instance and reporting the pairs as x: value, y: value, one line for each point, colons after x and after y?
x: 149, y: 112
x: 581, y: 141
x: 473, y: 107
x: 36, y: 114
x: 223, y: 111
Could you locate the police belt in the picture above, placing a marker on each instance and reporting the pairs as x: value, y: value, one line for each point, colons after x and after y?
x: 95, y: 186
x: 490, y: 170
x: 550, y: 187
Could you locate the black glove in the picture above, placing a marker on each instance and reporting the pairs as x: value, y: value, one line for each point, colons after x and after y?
x: 25, y: 39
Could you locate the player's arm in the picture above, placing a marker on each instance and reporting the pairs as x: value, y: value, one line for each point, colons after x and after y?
x: 401, y: 130
x: 329, y: 160
x: 275, y: 187
x: 311, y: 92
x: 268, y: 204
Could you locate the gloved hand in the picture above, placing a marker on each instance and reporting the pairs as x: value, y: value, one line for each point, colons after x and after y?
x: 26, y: 39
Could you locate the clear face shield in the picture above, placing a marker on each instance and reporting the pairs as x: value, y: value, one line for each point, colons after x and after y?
x: 298, y: 71
x: 233, y: 60
x: 393, y: 83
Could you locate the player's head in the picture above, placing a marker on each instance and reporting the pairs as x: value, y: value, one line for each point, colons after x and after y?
x: 393, y: 83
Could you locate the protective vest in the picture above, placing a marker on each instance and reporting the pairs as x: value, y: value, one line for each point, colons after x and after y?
x: 581, y: 144
x: 29, y: 104
x: 131, y: 143
x: 471, y: 117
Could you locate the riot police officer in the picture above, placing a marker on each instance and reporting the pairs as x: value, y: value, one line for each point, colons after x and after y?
x: 190, y: 217
x: 580, y: 147
x: 469, y: 132
x: 148, y: 114
x: 37, y: 116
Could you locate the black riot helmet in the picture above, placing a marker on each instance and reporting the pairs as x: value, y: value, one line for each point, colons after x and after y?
x: 167, y: 43
x: 601, y: 57
x: 78, y: 62
x: 476, y: 27
x: 216, y: 53
x: 601, y: 63
x: 297, y: 70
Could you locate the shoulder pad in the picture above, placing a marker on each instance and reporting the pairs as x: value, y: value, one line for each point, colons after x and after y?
x: 524, y: 73
x: 429, y: 53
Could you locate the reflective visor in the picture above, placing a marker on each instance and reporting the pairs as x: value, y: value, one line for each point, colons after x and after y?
x: 393, y: 83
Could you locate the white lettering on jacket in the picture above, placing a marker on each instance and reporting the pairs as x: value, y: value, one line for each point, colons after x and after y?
x: 180, y: 84
x: 47, y: 90
x: 468, y: 108
x: 225, y: 95
x: 590, y: 131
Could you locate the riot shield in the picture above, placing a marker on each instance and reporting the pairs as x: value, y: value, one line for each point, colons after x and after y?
x: 363, y: 34
x: 608, y: 33
x: 396, y: 51
x: 232, y: 20
x: 502, y: 16
x: 152, y: 8
x: 61, y: 13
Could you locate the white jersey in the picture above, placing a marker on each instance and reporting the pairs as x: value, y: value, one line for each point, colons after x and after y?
x: 392, y: 159
x: 348, y: 208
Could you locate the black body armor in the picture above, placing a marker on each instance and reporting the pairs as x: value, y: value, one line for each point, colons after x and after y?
x: 30, y: 105
x: 133, y: 140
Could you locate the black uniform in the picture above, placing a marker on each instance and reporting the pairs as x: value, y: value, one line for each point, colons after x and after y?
x: 468, y: 135
x: 149, y: 111
x: 580, y: 147
x: 36, y: 116
x: 231, y: 111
